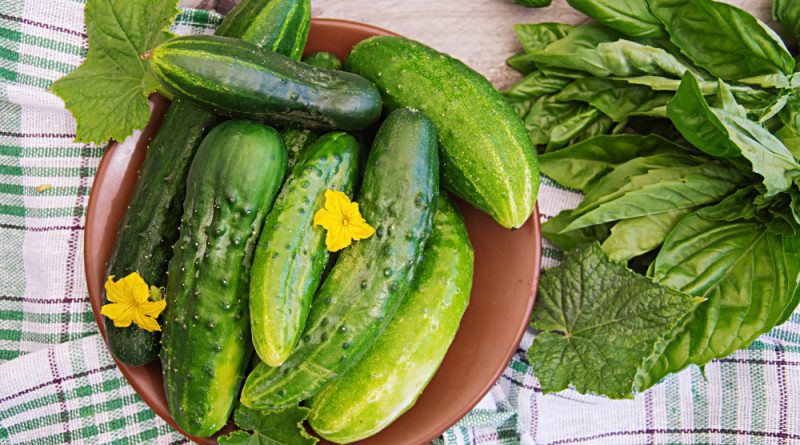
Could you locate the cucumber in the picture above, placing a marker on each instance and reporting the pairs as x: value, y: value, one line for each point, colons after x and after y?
x: 291, y: 253
x: 387, y: 381
x: 324, y: 60
x: 297, y: 141
x: 237, y: 78
x: 232, y: 182
x: 370, y: 278
x: 487, y: 157
x: 149, y: 227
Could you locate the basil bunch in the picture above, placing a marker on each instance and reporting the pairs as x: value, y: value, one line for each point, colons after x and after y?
x: 679, y: 120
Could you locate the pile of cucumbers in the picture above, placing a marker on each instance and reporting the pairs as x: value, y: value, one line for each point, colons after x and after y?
x: 222, y: 218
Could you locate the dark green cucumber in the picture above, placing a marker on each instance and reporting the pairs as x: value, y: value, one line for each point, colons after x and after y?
x: 291, y: 253
x: 232, y: 183
x: 487, y: 157
x: 149, y: 227
x: 387, y: 381
x: 324, y: 60
x: 236, y: 78
x: 370, y: 278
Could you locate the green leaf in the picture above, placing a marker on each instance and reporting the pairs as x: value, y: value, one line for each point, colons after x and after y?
x: 738, y: 206
x: 546, y: 113
x: 788, y: 13
x: 748, y: 277
x: 522, y: 107
x: 107, y: 94
x: 533, y: 36
x: 284, y: 427
x: 552, y: 228
x: 729, y: 135
x: 521, y: 62
x: 533, y: 3
x: 723, y: 39
x: 675, y: 188
x: 614, y: 98
x: 636, y: 236
x: 536, y: 84
x: 600, y: 320
x: 630, y: 17
x: 564, y: 132
x: 581, y: 164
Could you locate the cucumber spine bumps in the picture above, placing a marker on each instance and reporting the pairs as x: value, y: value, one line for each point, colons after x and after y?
x: 370, y: 278
x: 233, y: 77
x: 149, y: 227
x: 387, y: 381
x: 486, y: 154
x: 291, y: 253
x: 232, y: 182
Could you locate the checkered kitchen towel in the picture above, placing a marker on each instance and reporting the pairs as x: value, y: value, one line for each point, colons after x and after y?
x: 58, y: 383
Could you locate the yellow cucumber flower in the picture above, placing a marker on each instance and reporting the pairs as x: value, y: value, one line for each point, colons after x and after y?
x: 342, y: 220
x: 130, y: 302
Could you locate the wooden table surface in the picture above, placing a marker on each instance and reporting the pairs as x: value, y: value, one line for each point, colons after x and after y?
x: 476, y: 31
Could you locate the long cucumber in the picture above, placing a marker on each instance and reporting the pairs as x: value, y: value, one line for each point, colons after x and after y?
x: 370, y: 278
x: 291, y: 253
x: 387, y: 381
x: 232, y: 183
x: 149, y: 227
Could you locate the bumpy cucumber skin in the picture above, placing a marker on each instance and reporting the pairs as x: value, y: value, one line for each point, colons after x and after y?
x: 291, y: 253
x: 369, y: 280
x: 297, y: 141
x: 236, y: 78
x: 487, y: 157
x: 387, y: 381
x: 232, y: 183
x: 324, y: 60
x: 149, y: 227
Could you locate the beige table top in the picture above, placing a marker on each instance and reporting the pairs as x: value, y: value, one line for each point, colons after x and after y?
x: 476, y: 31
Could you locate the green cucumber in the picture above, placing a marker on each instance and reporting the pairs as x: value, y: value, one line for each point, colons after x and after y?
x: 291, y: 253
x: 149, y: 227
x: 370, y: 278
x: 297, y: 141
x: 487, y: 157
x: 237, y: 78
x: 232, y: 182
x: 324, y: 60
x: 387, y: 381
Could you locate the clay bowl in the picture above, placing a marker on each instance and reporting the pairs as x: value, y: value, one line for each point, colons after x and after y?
x: 506, y: 274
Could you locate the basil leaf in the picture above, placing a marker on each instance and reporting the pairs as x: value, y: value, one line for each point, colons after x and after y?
x: 636, y: 236
x: 748, y: 276
x: 546, y: 113
x: 738, y: 206
x: 521, y: 62
x: 563, y: 132
x: 682, y: 188
x: 536, y: 84
x: 729, y: 135
x: 630, y: 17
x: 552, y: 228
x: 533, y: 3
x: 534, y: 36
x: 603, y: 125
x: 580, y: 165
x: 600, y: 321
x: 614, y: 98
x: 522, y: 107
x: 788, y: 13
x: 723, y: 39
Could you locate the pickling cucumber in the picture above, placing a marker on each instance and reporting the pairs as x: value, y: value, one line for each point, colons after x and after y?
x: 324, y: 60
x: 487, y: 157
x: 369, y: 280
x: 387, y: 381
x: 236, y: 78
x: 149, y: 227
x: 291, y: 253
x: 206, y: 347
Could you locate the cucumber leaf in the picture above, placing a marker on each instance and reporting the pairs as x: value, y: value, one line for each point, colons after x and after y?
x: 107, y: 94
x: 723, y: 39
x: 788, y: 13
x: 748, y: 276
x: 630, y: 17
x: 599, y: 322
x: 534, y: 36
x: 580, y: 165
x: 614, y: 98
x: 284, y: 427
x: 636, y: 236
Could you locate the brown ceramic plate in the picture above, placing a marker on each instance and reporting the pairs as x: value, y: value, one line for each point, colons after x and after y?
x: 506, y: 274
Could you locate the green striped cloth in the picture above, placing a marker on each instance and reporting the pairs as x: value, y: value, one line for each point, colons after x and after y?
x: 58, y: 383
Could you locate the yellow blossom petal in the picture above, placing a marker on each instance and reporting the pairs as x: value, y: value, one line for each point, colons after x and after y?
x: 130, y: 303
x: 342, y: 220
